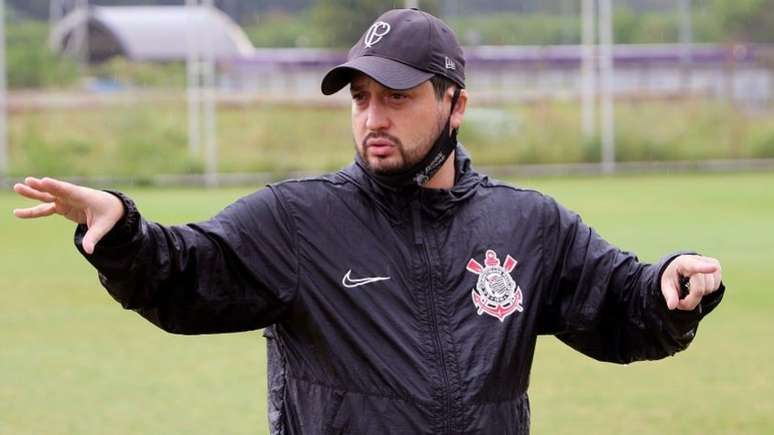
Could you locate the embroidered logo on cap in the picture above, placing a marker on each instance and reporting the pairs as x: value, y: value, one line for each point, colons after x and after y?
x: 375, y: 33
x: 450, y: 64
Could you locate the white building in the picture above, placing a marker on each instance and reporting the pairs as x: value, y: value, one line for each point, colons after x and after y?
x: 149, y: 33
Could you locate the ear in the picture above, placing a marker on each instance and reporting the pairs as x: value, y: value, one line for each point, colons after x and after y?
x: 459, y: 108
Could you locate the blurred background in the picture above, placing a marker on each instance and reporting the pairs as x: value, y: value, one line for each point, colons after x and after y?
x: 228, y: 91
x: 652, y: 118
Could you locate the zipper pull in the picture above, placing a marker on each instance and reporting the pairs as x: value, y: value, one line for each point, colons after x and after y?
x: 416, y: 218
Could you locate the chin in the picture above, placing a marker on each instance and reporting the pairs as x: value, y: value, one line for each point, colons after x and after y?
x: 386, y: 166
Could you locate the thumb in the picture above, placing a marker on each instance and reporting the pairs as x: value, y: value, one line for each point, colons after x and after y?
x: 671, y: 294
x: 94, y: 234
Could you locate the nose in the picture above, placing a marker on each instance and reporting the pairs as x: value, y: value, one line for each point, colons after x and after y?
x: 377, y: 118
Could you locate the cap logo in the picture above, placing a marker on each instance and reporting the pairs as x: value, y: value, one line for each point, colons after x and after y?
x: 450, y: 64
x: 375, y: 33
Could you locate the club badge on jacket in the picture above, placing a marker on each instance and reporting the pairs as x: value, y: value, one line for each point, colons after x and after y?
x: 496, y: 293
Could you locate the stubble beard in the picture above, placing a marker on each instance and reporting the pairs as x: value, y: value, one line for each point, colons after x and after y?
x: 408, y: 157
x: 390, y: 165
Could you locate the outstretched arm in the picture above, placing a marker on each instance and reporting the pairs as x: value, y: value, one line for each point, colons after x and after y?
x: 98, y: 210
x: 607, y: 304
x: 234, y: 272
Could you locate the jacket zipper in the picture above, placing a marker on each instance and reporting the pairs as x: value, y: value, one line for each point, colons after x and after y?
x: 419, y: 240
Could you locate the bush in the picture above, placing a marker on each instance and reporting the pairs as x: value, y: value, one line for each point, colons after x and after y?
x: 141, y: 74
x: 31, y: 64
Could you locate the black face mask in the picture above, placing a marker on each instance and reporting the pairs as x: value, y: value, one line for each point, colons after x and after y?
x: 424, y: 170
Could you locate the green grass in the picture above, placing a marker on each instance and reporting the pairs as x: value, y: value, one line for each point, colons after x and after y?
x: 281, y: 138
x: 73, y: 362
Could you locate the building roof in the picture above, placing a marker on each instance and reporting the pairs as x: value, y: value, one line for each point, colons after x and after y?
x: 152, y: 33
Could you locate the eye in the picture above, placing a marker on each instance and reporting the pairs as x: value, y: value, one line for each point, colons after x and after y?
x: 360, y: 99
x: 397, y: 96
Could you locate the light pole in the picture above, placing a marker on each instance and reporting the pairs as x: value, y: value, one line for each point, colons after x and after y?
x: 686, y: 41
x: 193, y: 84
x: 3, y: 94
x: 200, y: 67
x: 606, y: 76
x: 588, y: 70
x: 210, y: 139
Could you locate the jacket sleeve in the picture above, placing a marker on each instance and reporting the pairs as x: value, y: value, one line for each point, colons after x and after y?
x: 603, y: 302
x: 235, y: 272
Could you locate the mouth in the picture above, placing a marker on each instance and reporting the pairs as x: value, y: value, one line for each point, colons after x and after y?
x: 380, y: 147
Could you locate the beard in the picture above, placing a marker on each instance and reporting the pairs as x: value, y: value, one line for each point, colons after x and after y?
x: 405, y: 160
x: 408, y: 157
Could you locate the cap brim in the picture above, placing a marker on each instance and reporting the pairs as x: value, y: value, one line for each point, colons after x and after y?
x: 389, y: 73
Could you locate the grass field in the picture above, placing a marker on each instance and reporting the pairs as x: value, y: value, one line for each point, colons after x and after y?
x: 72, y: 362
x: 145, y: 138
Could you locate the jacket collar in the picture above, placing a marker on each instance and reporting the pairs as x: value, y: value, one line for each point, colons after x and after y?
x: 395, y: 202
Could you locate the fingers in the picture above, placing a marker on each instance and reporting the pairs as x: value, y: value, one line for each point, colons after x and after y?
x: 99, y: 210
x: 710, y: 284
x: 693, y: 264
x: 41, y: 210
x: 697, y: 289
x: 28, y: 192
x: 718, y: 279
x: 61, y: 188
x: 34, y: 182
x: 704, y: 277
x: 72, y: 201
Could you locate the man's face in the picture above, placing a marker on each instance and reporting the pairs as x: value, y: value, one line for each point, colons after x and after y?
x: 393, y: 130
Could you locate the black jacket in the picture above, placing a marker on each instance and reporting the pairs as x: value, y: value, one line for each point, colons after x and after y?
x: 391, y: 311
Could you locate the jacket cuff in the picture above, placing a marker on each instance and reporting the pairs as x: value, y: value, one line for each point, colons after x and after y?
x: 122, y: 232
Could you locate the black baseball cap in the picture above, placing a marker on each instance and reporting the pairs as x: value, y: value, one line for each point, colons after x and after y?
x: 400, y: 50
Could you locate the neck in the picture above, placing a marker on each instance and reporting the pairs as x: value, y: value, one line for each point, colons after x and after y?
x: 444, y: 178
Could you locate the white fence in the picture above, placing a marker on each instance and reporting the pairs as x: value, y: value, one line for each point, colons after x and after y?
x: 742, y: 73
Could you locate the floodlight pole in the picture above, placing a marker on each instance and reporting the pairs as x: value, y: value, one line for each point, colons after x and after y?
x: 56, y: 9
x: 81, y: 35
x: 3, y: 94
x: 193, y: 85
x: 686, y: 40
x: 606, y: 76
x: 588, y: 70
x: 210, y: 139
x: 201, y: 92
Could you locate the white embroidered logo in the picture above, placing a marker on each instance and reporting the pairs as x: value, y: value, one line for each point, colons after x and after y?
x: 450, y: 64
x: 356, y: 282
x: 375, y: 33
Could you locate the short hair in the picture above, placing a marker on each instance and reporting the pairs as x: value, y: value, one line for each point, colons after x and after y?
x: 440, y: 85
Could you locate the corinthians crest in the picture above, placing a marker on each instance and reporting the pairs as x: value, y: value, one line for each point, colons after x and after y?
x: 496, y: 293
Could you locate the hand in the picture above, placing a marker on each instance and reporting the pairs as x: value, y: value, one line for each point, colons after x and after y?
x: 704, y: 278
x: 97, y: 209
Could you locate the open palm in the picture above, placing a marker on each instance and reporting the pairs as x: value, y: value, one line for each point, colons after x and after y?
x: 97, y: 209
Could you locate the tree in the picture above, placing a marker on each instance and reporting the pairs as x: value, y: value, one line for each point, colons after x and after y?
x: 30, y: 63
x: 748, y: 20
x: 343, y: 21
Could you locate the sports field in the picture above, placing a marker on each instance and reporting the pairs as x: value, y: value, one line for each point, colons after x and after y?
x: 73, y: 362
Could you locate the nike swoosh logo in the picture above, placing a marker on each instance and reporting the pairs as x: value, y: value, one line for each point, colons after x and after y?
x: 357, y: 282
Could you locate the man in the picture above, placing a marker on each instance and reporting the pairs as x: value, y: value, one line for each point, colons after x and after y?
x: 404, y: 293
